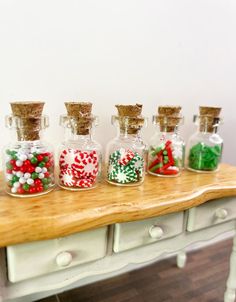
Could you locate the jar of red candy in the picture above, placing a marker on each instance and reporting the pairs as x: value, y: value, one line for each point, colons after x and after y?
x: 28, y: 160
x: 125, y: 154
x: 204, y: 149
x: 79, y: 154
x: 166, y: 150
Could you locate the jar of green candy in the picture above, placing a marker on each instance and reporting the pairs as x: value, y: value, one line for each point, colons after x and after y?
x: 125, y: 154
x: 204, y: 148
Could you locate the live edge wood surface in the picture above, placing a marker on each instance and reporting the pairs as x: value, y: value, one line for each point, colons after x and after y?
x: 62, y: 212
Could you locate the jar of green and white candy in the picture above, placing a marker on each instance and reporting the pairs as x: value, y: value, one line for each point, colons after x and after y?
x: 28, y: 162
x: 125, y: 154
x: 204, y: 149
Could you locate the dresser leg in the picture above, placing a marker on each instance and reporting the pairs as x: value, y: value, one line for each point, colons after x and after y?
x: 231, y: 283
x: 181, y: 259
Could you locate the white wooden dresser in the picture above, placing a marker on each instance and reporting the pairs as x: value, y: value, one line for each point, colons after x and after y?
x: 67, y: 239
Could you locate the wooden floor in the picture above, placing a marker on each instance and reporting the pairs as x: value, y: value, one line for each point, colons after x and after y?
x: 202, y: 280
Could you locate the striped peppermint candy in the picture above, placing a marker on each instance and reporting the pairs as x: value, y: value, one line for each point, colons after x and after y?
x: 67, y: 158
x: 86, y: 163
x: 67, y: 177
x: 84, y: 183
x: 126, y: 156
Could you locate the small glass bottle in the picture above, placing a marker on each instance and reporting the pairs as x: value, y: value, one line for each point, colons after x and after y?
x: 166, y: 148
x: 80, y: 156
x: 204, y: 149
x: 125, y: 154
x: 28, y: 160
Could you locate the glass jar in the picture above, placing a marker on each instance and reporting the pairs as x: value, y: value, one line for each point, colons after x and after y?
x: 79, y: 155
x: 204, y: 149
x: 28, y: 161
x: 125, y: 154
x: 166, y: 148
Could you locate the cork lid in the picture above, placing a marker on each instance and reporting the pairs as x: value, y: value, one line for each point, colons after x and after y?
x: 168, y: 118
x: 209, y: 117
x: 29, y: 115
x: 81, y: 118
x: 130, y: 118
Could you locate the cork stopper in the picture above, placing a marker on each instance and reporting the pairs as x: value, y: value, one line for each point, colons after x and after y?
x: 208, y: 116
x: 168, y: 117
x: 130, y: 118
x: 81, y: 114
x: 29, y: 114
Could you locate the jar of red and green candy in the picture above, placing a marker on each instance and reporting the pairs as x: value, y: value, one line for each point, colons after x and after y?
x: 79, y: 155
x: 28, y: 160
x: 204, y: 148
x: 125, y: 154
x: 166, y: 147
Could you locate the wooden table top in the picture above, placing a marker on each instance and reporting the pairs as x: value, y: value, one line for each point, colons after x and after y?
x: 62, y: 212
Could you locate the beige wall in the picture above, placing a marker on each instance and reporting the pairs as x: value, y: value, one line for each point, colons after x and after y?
x: 108, y: 52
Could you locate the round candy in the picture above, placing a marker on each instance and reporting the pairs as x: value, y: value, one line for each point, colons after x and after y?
x: 19, y: 163
x: 67, y: 178
x: 41, y: 175
x: 30, y: 181
x: 27, y: 175
x: 22, y: 180
x: 14, y: 190
x: 38, y: 169
x: 23, y: 157
x: 19, y: 174
x: 16, y: 184
x: 86, y: 163
x: 84, y: 183
x: 67, y: 158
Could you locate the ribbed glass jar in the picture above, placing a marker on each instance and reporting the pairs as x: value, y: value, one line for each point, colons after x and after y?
x: 28, y: 164
x: 80, y: 157
x: 125, y: 154
x: 166, y: 148
x: 204, y: 149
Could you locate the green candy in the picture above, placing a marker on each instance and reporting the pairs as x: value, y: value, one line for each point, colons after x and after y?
x: 41, y: 165
x: 15, y: 178
x: 46, y: 159
x: 34, y: 175
x: 33, y: 160
x: 10, y: 183
x: 45, y: 187
x: 9, y: 166
x: 205, y: 158
x: 26, y: 187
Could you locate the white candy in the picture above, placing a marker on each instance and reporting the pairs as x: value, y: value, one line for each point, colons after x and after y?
x: 27, y: 175
x: 41, y: 175
x: 38, y: 169
x: 19, y: 163
x: 30, y: 156
x: 9, y: 176
x: 16, y: 185
x: 22, y: 157
x: 44, y: 170
x: 22, y: 180
x: 19, y: 174
x: 30, y: 181
x: 13, y: 190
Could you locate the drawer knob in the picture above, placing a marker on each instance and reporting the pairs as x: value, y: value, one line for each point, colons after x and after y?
x: 221, y: 213
x: 156, y: 232
x: 64, y: 259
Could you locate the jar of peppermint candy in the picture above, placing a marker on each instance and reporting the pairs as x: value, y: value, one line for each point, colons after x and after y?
x: 166, y: 147
x: 79, y: 154
x: 125, y: 154
x: 28, y: 161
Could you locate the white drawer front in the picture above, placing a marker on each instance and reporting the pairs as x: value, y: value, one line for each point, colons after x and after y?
x: 42, y: 257
x: 211, y: 213
x: 133, y: 234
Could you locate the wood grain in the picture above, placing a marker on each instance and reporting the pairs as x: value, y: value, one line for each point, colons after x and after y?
x: 61, y: 212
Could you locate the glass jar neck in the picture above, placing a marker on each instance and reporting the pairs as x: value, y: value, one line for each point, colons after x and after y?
x: 73, y: 136
x: 128, y: 134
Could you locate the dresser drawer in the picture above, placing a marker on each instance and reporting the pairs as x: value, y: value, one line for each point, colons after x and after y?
x: 211, y: 213
x: 42, y: 257
x: 133, y: 234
